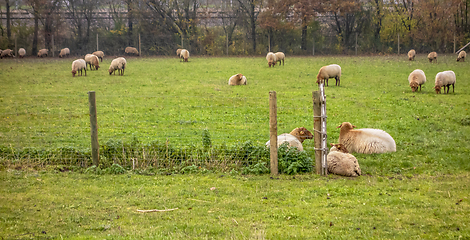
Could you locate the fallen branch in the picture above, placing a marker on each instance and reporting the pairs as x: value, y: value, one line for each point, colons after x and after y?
x: 156, y: 210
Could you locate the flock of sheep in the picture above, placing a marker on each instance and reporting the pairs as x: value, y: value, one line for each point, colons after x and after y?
x: 443, y: 79
x: 366, y: 140
x: 339, y: 159
x: 93, y: 61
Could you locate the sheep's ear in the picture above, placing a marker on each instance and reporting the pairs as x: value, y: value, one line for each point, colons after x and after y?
x: 331, y: 144
x: 302, y: 132
x: 339, y: 126
x: 353, y: 126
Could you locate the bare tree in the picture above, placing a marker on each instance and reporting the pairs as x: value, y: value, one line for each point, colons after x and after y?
x: 251, y: 9
x: 179, y: 16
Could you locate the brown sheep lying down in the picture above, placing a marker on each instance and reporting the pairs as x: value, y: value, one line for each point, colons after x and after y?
x: 237, y: 79
x: 295, y: 138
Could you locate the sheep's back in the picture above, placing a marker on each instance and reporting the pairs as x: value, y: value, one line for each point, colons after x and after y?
x: 271, y: 57
x: 280, y: 55
x: 343, y: 164
x: 417, y: 76
x: 445, y: 78
x: 22, y: 52
x: 368, y: 141
x: 330, y: 71
x: 185, y: 53
x: 234, y: 80
x: 98, y: 53
x: 290, y: 139
x: 78, y: 64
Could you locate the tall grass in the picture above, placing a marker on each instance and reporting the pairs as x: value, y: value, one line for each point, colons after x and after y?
x: 163, y: 102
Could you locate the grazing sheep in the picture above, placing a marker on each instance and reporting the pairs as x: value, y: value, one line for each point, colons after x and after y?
x: 271, y: 58
x: 461, y: 57
x: 432, y: 56
x: 78, y: 65
x: 92, y: 60
x: 237, y: 79
x: 294, y: 138
x: 365, y: 140
x: 119, y: 64
x: 6, y: 53
x: 64, y: 52
x: 411, y: 55
x: 21, y: 52
x: 280, y: 56
x: 43, y: 53
x: 444, y: 79
x: 341, y: 162
x: 178, y: 52
x: 99, y: 54
x: 184, y: 55
x: 327, y: 72
x: 416, y: 79
x: 132, y: 50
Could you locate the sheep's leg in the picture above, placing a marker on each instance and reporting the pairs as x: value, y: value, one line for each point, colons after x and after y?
x: 326, y: 80
x: 85, y: 72
x: 453, y: 88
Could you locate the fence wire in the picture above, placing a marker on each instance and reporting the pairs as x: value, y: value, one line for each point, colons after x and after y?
x: 159, y: 131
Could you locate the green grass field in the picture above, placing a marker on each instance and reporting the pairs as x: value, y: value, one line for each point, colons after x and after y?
x: 48, y: 205
x: 420, y: 191
x: 162, y: 99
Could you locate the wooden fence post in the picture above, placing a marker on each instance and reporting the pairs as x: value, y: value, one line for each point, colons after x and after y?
x: 273, y: 132
x: 95, y: 147
x: 317, y: 130
x: 97, y: 49
x: 140, y: 52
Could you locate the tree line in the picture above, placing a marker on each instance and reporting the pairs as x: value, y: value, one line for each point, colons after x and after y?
x: 236, y: 27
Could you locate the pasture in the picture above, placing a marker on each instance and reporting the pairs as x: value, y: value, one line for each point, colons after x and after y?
x: 164, y: 101
x: 419, y: 191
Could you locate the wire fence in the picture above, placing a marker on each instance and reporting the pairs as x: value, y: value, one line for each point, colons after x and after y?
x: 159, y: 131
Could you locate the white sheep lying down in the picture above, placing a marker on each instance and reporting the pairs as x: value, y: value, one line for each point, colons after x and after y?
x: 365, y: 140
x: 237, y: 79
x: 444, y: 79
x: 295, y: 138
x: 416, y: 79
x: 327, y: 72
x: 341, y: 162
x: 119, y: 64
